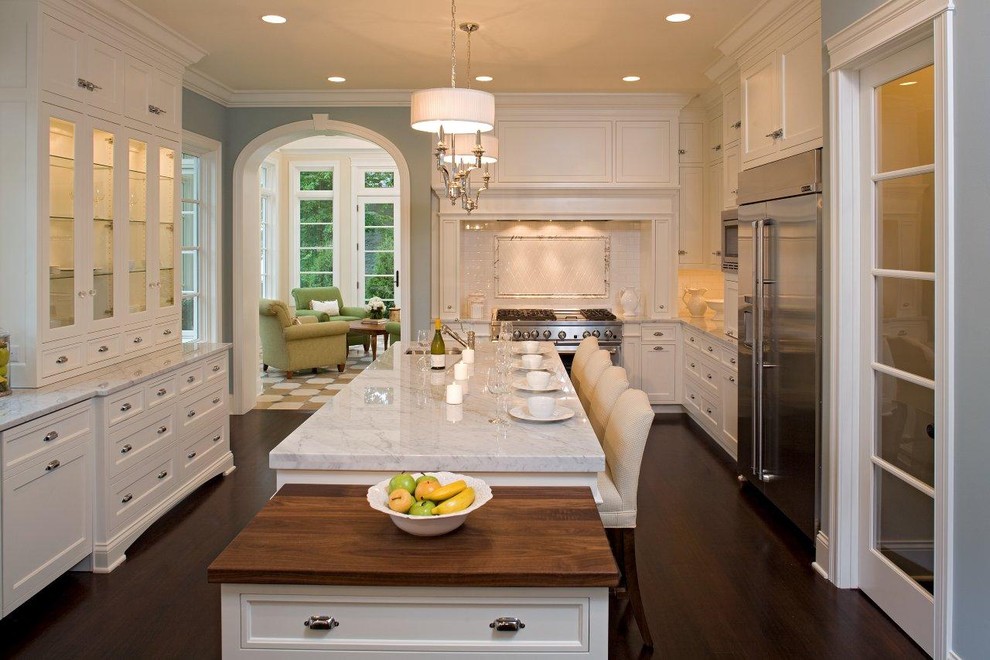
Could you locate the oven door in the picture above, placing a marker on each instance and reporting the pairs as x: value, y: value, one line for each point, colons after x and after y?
x: 568, y: 349
x: 730, y: 242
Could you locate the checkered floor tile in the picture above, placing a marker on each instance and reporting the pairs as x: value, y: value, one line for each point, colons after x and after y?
x: 306, y: 390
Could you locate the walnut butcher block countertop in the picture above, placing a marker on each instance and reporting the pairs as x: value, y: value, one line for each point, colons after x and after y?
x: 328, y: 535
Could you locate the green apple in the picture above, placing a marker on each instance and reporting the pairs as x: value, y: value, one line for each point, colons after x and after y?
x: 424, y: 508
x: 403, y: 481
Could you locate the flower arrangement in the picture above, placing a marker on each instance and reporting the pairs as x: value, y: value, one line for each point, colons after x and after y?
x: 376, y: 307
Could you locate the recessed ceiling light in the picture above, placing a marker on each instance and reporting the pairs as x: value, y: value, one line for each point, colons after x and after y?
x: 678, y: 18
x: 273, y: 18
x: 630, y: 78
x: 337, y: 79
x: 909, y: 82
x: 484, y: 78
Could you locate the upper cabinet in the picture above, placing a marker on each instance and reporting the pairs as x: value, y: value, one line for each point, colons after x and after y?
x: 692, y: 143
x: 731, y: 117
x: 80, y: 67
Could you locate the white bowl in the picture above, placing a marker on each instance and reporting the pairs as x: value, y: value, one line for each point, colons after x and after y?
x: 717, y: 307
x: 538, y: 379
x: 530, y: 346
x: 532, y: 361
x: 541, y: 406
x: 430, y: 525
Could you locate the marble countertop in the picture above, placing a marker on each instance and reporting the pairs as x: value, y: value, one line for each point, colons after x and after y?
x: 392, y: 417
x: 715, y: 329
x: 23, y: 405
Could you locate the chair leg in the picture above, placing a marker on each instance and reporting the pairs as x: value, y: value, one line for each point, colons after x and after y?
x: 316, y: 370
x: 341, y: 367
x: 288, y: 375
x: 264, y: 367
x: 632, y: 584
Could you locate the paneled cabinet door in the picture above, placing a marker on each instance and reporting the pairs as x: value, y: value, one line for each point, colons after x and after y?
x: 715, y: 138
x: 139, y: 80
x: 691, y: 147
x: 662, y: 249
x: 692, y: 206
x: 63, y: 51
x: 731, y: 117
x: 801, y: 88
x: 730, y: 407
x: 105, y: 70
x: 449, y: 238
x: 166, y: 282
x: 658, y: 377
x: 166, y: 98
x: 759, y: 97
x: 713, y: 216
x: 730, y: 183
x: 631, y: 360
x: 142, y: 198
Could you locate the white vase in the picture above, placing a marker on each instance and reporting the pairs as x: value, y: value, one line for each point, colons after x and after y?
x: 629, y: 299
x: 695, y: 303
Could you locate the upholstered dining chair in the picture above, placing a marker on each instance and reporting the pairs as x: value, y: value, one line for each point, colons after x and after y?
x: 624, y: 442
x: 610, y: 385
x: 599, y: 361
x: 585, y: 350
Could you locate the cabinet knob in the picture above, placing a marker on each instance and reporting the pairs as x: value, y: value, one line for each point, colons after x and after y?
x: 61, y: 359
x: 692, y: 397
x: 662, y: 307
x: 162, y: 429
x: 52, y: 466
x: 92, y: 292
x: 709, y: 376
x: 717, y: 253
x: 732, y: 360
x: 191, y: 455
x: 81, y: 294
x: 738, y: 124
x: 732, y: 379
x: 717, y: 147
x: 658, y: 348
x: 321, y: 622
x: 163, y: 474
x: 692, y: 365
x: 710, y: 349
x: 51, y: 435
x: 507, y: 624
x: 733, y: 192
x: 103, y: 349
x: 708, y: 410
x: 127, y: 498
x: 682, y: 252
x: 138, y: 340
x: 682, y: 151
x: 125, y: 449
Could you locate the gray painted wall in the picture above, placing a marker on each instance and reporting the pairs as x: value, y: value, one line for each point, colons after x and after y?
x: 236, y: 127
x: 971, y: 524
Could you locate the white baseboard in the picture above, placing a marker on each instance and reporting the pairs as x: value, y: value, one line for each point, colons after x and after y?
x: 952, y: 655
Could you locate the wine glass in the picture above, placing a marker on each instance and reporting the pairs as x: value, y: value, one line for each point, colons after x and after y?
x: 498, y: 385
x: 423, y: 340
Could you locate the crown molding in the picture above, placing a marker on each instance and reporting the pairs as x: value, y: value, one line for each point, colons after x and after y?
x: 769, y: 16
x: 722, y: 70
x: 881, y: 25
x: 184, y: 51
x: 658, y: 101
x: 211, y: 88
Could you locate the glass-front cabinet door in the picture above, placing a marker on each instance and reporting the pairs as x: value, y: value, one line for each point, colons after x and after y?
x: 100, y: 295
x: 137, y: 227
x: 64, y: 294
x: 166, y: 284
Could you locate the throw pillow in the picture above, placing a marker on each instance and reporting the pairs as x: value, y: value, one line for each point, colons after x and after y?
x: 330, y: 307
x: 296, y: 321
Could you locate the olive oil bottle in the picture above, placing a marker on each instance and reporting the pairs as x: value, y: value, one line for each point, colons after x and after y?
x: 438, y: 359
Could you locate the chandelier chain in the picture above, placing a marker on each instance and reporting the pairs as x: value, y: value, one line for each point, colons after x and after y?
x: 453, y: 44
x: 469, y: 31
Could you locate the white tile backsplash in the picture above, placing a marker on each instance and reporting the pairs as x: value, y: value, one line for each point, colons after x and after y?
x: 478, y: 260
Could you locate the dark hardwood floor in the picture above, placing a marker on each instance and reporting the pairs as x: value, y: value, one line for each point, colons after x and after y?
x: 722, y: 574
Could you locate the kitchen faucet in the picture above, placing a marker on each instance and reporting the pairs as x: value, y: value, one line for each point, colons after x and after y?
x: 446, y: 329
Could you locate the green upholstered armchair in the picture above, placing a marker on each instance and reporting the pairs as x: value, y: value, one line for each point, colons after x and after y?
x: 393, y: 328
x: 306, y: 346
x: 303, y: 296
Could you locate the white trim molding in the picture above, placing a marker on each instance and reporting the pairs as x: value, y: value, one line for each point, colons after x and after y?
x: 890, y: 28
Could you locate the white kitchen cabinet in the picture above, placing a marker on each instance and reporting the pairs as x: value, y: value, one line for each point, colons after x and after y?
x: 715, y: 138
x: 731, y: 118
x: 692, y: 206
x: 152, y: 97
x: 781, y: 96
x: 80, y: 67
x: 449, y: 273
x: 631, y: 356
x: 731, y: 309
x: 730, y: 172
x: 659, y: 365
x: 47, y: 502
x: 729, y: 394
x: 643, y: 152
x: 710, y: 388
x: 665, y: 267
x: 713, y: 215
x: 692, y: 145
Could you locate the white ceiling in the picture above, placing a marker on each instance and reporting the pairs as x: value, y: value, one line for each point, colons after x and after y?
x: 528, y: 46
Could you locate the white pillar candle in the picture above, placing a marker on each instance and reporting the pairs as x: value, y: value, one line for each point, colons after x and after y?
x: 455, y: 395
x: 463, y: 382
x: 455, y: 414
x: 460, y: 371
x: 467, y: 356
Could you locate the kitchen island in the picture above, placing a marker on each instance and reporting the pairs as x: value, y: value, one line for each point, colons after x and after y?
x: 392, y: 418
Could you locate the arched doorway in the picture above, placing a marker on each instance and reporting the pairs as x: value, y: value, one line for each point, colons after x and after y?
x: 246, y: 243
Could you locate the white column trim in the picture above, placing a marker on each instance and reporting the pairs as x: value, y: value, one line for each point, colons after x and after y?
x: 882, y: 25
x: 210, y: 152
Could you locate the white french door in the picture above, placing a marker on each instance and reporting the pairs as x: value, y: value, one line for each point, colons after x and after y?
x: 902, y: 248
x: 378, y: 255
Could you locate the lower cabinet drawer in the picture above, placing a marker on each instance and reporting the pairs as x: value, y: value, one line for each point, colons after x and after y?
x: 129, y: 446
x: 104, y: 348
x: 27, y: 441
x: 61, y: 360
x: 397, y: 623
x: 692, y: 396
x: 138, y: 490
x: 137, y: 340
x: 202, y: 450
x: 168, y: 332
x: 196, y: 408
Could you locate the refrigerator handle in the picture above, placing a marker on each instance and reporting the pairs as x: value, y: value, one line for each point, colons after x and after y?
x: 757, y: 447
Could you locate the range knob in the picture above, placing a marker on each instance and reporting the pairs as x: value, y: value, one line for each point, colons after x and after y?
x: 546, y: 334
x: 586, y: 334
x: 561, y: 335
x: 526, y: 334
x: 517, y: 334
x: 595, y: 334
x: 533, y: 335
x: 608, y: 334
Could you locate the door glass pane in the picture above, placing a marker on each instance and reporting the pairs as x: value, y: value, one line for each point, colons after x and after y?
x: 61, y: 244
x: 906, y: 217
x: 383, y: 287
x: 137, y: 225
x: 379, y: 179
x: 381, y: 215
x: 906, y: 323
x: 379, y: 238
x: 905, y: 426
x: 906, y: 121
x: 166, y: 228
x: 905, y: 527
x: 102, y: 224
x: 379, y: 263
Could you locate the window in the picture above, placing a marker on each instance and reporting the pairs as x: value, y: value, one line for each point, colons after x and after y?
x: 315, y: 217
x: 379, y: 179
x: 376, y: 227
x: 200, y: 238
x: 266, y: 178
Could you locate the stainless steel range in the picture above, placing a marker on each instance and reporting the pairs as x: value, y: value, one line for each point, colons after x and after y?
x: 564, y: 327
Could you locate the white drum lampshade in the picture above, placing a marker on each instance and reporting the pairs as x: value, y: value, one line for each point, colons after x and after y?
x: 463, y: 144
x: 455, y: 109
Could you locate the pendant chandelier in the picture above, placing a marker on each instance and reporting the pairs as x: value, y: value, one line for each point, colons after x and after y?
x: 461, y: 118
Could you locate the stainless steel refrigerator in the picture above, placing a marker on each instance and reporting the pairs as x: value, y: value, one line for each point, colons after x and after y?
x: 780, y: 265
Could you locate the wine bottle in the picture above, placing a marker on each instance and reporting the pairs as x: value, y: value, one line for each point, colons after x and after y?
x: 438, y: 351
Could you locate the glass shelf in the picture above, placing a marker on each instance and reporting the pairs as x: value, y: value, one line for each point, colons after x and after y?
x: 62, y: 218
x: 61, y: 161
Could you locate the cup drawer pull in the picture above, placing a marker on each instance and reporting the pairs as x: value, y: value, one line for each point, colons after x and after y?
x: 167, y: 332
x: 138, y: 340
x: 162, y: 429
x: 51, y: 435
x: 191, y: 414
x: 161, y: 391
x: 125, y: 407
x: 658, y: 348
x: 163, y: 474
x: 61, y: 359
x: 52, y: 466
x: 217, y: 438
x: 658, y: 334
x: 103, y: 349
x: 191, y: 379
x: 321, y: 622
x: 216, y: 368
x: 216, y: 400
x: 507, y: 624
x: 127, y: 498
x: 191, y: 455
x: 125, y: 449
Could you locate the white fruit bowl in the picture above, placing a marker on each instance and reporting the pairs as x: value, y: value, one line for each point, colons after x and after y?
x: 430, y: 525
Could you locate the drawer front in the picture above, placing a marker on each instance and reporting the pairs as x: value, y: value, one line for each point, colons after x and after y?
x: 711, y: 412
x: 190, y: 378
x: 160, y: 391
x: 659, y: 332
x: 711, y: 349
x: 131, y: 444
x: 457, y: 624
x: 693, y: 339
x: 195, y: 408
x: 692, y: 363
x: 24, y: 442
x: 216, y: 368
x: 202, y: 451
x: 98, y: 350
x: 124, y: 406
x: 168, y: 332
x: 692, y: 396
x: 61, y: 360
x: 137, y: 491
x: 711, y: 376
x: 138, y: 340
x: 730, y: 357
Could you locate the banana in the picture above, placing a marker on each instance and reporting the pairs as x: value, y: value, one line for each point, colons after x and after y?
x: 458, y: 502
x: 446, y: 492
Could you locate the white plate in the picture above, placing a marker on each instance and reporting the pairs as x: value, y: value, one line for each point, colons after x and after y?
x: 522, y: 384
x: 516, y: 364
x: 559, y: 414
x: 518, y: 350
